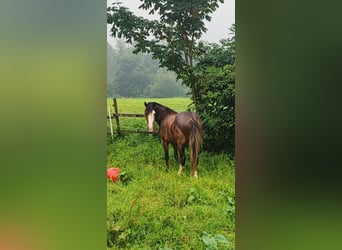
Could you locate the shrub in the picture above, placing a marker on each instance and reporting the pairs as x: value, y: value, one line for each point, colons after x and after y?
x: 216, y: 95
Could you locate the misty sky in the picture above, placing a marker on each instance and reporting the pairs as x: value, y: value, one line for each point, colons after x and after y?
x: 218, y: 28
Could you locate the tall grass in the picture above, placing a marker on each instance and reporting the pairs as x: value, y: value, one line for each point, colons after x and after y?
x: 154, y: 209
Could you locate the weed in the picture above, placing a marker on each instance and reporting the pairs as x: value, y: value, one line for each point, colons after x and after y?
x: 125, y: 178
x: 212, y: 242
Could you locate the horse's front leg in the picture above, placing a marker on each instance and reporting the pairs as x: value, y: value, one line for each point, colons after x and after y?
x: 166, y: 152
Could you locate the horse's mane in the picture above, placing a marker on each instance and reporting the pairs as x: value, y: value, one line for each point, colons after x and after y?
x: 164, y: 108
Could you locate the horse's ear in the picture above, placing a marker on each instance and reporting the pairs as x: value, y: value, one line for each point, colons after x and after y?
x: 145, y: 104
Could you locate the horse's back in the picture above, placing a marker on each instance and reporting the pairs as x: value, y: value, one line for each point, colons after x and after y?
x: 178, y: 127
x: 185, y: 121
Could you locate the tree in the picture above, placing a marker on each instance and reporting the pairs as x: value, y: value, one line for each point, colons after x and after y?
x: 131, y: 73
x: 215, y: 84
x: 164, y: 85
x: 173, y: 39
x: 138, y: 75
x: 111, y: 71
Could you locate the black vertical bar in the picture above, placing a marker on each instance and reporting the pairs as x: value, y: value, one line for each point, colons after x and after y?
x: 116, y: 115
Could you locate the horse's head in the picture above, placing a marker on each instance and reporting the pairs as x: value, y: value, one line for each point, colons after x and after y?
x: 156, y: 112
x: 150, y: 115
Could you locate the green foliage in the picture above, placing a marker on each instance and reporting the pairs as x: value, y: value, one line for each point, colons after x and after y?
x: 173, y: 39
x: 170, y: 40
x: 212, y: 242
x: 216, y: 107
x: 215, y: 88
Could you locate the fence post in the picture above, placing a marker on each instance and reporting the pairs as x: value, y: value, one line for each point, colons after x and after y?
x: 116, y: 116
x: 110, y: 124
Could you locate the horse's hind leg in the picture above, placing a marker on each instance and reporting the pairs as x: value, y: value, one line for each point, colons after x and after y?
x: 166, y: 152
x: 194, y: 164
x: 182, y: 160
x: 175, y: 152
x: 194, y: 171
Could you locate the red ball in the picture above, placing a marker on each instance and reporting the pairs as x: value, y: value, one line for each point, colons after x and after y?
x: 113, y: 174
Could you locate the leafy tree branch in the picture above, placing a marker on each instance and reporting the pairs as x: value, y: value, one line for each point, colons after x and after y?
x: 173, y: 39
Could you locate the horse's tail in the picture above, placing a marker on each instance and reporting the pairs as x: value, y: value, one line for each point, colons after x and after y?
x: 195, y: 140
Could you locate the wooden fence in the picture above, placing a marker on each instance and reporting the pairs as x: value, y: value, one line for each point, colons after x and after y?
x: 116, y: 116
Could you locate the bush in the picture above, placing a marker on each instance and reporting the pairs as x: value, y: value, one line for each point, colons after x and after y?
x: 215, y: 93
x: 216, y: 106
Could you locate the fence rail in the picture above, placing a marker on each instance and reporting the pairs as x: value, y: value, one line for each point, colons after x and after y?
x: 116, y: 116
x: 125, y: 115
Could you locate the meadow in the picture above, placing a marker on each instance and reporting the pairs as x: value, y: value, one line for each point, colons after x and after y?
x: 150, y: 208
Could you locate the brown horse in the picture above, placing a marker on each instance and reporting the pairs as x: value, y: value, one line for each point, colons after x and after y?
x: 177, y: 129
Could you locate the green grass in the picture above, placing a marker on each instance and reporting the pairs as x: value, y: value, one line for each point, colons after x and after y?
x: 136, y: 105
x: 154, y: 209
